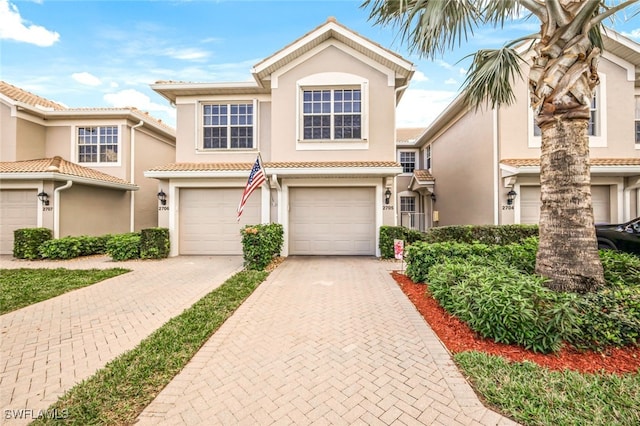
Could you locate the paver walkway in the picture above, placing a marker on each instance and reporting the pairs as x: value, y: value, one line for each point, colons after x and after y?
x: 48, y: 347
x: 322, y: 341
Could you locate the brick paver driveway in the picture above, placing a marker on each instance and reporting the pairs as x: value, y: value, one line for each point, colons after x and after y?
x: 322, y: 341
x: 48, y: 347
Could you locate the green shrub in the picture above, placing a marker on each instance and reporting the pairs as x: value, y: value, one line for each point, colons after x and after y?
x: 154, y: 243
x: 620, y: 268
x: 71, y: 247
x: 390, y: 233
x: 485, y: 234
x: 26, y: 242
x: 260, y: 244
x: 500, y: 302
x: 124, y: 246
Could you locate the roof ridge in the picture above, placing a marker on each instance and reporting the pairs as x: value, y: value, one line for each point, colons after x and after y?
x: 21, y: 95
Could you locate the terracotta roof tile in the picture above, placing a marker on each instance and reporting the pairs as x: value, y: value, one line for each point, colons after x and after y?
x: 532, y: 162
x: 409, y: 134
x: 197, y: 167
x: 423, y: 175
x: 58, y: 165
x: 21, y: 95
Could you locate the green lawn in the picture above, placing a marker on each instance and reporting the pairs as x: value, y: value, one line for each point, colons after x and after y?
x: 117, y: 393
x: 533, y: 395
x: 23, y: 287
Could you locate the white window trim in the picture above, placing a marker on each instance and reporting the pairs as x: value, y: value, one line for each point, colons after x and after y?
x: 415, y: 161
x: 333, y: 80
x: 428, y: 159
x: 599, y: 141
x: 199, y: 142
x: 636, y: 116
x: 75, y: 152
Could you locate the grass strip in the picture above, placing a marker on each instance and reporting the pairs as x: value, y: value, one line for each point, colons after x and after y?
x: 533, y: 395
x: 24, y: 287
x: 121, y: 390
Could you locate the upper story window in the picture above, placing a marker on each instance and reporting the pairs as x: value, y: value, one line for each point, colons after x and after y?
x: 228, y: 126
x: 637, y: 121
x: 427, y: 157
x: 98, y: 144
x: 332, y: 114
x: 408, y: 161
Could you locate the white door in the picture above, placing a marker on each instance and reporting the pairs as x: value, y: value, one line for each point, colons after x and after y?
x: 530, y: 204
x: 207, y: 223
x: 18, y: 209
x: 332, y: 221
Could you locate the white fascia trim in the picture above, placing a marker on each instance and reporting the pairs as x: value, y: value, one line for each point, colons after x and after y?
x: 64, y: 177
x: 631, y: 69
x: 595, y: 170
x: 197, y: 174
x: 335, y: 171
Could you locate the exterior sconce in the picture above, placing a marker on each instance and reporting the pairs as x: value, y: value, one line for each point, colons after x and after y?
x: 511, y: 195
x: 387, y: 196
x: 44, y: 197
x: 433, y: 197
x: 162, y: 197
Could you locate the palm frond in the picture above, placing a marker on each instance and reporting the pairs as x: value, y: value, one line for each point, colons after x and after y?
x: 429, y: 27
x: 498, y: 12
x: 491, y: 77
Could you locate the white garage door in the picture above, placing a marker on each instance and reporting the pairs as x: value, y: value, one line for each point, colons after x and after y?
x: 332, y: 221
x: 530, y: 204
x: 208, y: 220
x: 18, y: 209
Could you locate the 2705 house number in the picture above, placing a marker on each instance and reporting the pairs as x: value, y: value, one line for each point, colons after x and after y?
x: 387, y: 207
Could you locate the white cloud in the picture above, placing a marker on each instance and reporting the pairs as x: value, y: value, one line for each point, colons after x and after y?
x: 444, y: 64
x: 186, y: 54
x: 86, y: 79
x: 451, y: 81
x: 418, y: 108
x: 114, y: 85
x: 462, y: 71
x: 634, y: 34
x: 134, y: 98
x: 419, y: 76
x: 13, y: 27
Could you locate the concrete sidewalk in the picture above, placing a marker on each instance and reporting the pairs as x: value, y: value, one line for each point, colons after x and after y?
x: 322, y: 341
x: 48, y: 347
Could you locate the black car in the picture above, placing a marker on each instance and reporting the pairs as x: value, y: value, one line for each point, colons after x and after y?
x: 623, y: 237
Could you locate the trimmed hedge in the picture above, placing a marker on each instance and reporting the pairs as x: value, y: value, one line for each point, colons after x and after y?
x: 124, y: 246
x: 260, y: 244
x: 71, y: 247
x: 154, y: 243
x: 485, y: 234
x: 390, y: 233
x: 26, y: 242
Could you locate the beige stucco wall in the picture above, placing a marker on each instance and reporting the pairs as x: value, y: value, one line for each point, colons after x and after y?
x: 381, y: 109
x: 90, y: 210
x: 30, y: 140
x: 462, y: 163
x: 7, y: 134
x: 59, y: 142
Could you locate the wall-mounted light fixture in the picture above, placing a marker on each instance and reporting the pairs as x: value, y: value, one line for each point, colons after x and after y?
x: 162, y: 197
x: 387, y: 196
x: 44, y: 197
x: 433, y: 197
x: 511, y: 195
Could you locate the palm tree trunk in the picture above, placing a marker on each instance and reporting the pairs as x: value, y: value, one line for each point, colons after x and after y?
x: 568, y: 252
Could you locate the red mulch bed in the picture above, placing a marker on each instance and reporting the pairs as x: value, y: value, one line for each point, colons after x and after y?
x: 458, y: 337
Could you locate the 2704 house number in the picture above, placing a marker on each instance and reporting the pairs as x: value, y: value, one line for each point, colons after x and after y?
x: 507, y: 207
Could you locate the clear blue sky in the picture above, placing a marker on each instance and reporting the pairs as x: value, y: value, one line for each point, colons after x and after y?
x: 107, y: 53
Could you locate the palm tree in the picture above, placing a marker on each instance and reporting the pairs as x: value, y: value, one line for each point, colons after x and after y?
x: 562, y: 76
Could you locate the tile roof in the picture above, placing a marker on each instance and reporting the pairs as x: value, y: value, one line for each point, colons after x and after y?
x: 423, y: 175
x: 58, y: 165
x: 198, y: 167
x: 21, y: 95
x: 409, y: 134
x: 533, y: 162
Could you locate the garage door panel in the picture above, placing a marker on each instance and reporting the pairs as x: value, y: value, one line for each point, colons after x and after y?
x: 18, y: 209
x: 530, y: 204
x: 208, y: 223
x: 332, y: 221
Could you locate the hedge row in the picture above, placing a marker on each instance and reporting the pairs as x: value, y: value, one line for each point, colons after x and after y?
x: 260, y: 244
x: 37, y: 243
x: 390, y: 233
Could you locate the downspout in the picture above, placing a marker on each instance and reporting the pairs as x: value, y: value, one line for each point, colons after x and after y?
x: 132, y: 170
x: 496, y: 175
x: 395, y: 185
x: 56, y: 207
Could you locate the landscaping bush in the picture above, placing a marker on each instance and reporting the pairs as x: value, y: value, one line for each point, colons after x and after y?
x: 390, y: 233
x: 124, y: 246
x: 154, y: 243
x: 26, y: 242
x: 260, y: 244
x: 502, y: 303
x: 71, y: 247
x: 485, y: 234
x: 620, y: 268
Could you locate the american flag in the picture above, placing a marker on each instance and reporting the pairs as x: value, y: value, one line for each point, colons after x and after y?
x: 256, y: 178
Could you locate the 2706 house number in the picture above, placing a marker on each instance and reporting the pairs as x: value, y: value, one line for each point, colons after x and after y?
x: 163, y: 208
x: 387, y: 207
